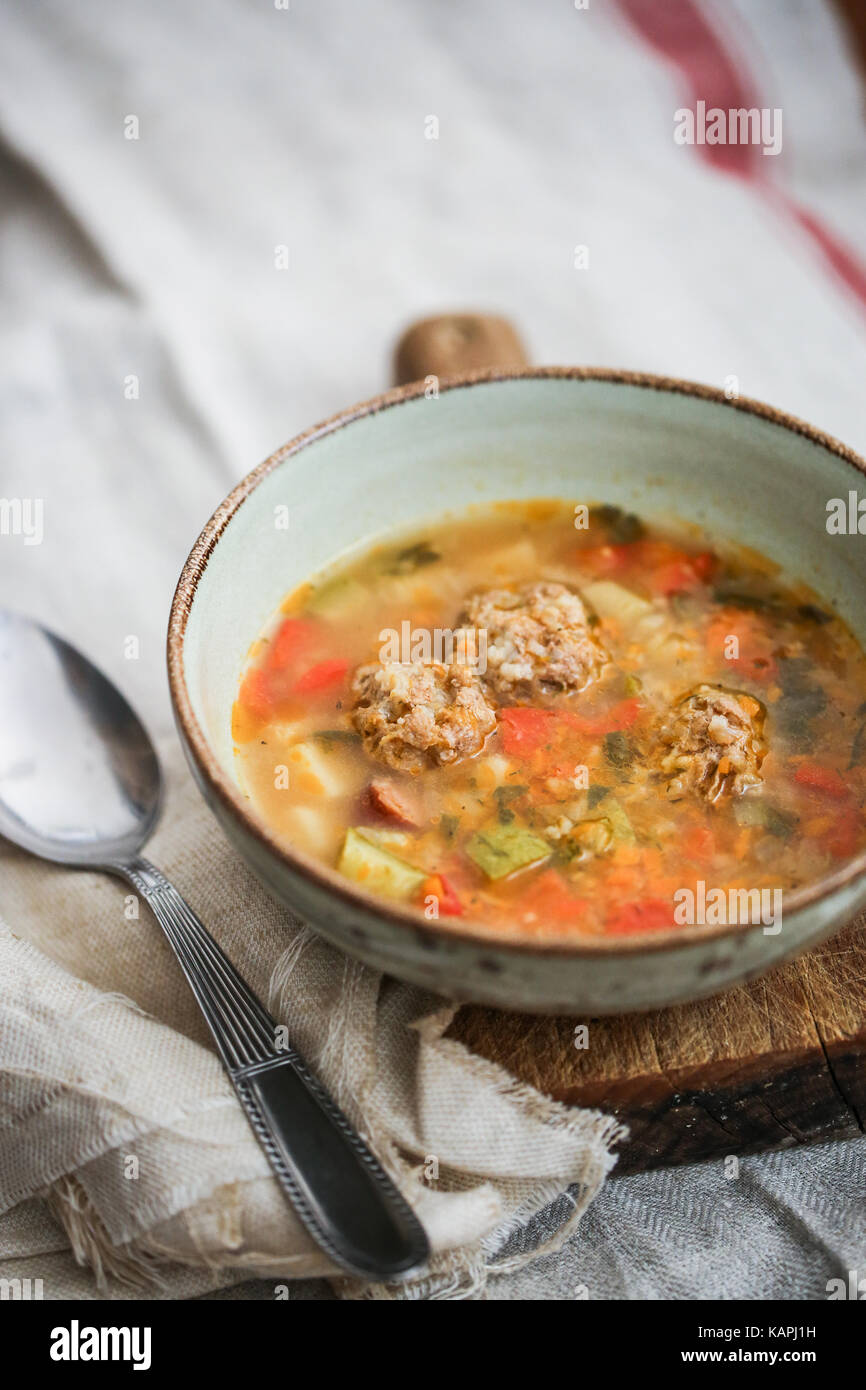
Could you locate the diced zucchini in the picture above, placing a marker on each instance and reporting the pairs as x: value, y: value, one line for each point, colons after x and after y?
x: 618, y: 820
x: 377, y: 869
x: 336, y: 596
x: 612, y: 600
x: 754, y: 811
x: 500, y: 850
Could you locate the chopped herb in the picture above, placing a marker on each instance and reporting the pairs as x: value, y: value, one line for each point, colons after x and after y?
x: 503, y: 795
x: 802, y: 703
x: 330, y: 737
x: 752, y: 811
x: 618, y: 749
x: 812, y: 614
x: 448, y: 825
x: 413, y: 557
x: 595, y: 795
x: 622, y: 527
x: 633, y: 684
x: 858, y: 747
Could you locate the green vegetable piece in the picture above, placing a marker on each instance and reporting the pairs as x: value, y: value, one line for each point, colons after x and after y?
x: 377, y: 869
x: 618, y: 750
x: 858, y: 747
x: 448, y: 825
x: 803, y: 701
x: 595, y: 795
x: 503, y: 795
x: 336, y: 596
x: 413, y: 557
x: 622, y: 527
x: 633, y: 684
x: 330, y: 737
x: 753, y: 811
x: 502, y: 849
x: 619, y: 822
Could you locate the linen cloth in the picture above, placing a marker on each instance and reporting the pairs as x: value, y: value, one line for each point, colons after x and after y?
x: 153, y: 352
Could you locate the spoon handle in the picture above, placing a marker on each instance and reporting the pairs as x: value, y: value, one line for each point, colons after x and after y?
x: 341, y: 1193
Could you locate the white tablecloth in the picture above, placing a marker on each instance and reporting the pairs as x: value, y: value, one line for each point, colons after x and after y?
x: 153, y: 352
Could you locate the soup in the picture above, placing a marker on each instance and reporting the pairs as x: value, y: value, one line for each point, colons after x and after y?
x: 554, y: 721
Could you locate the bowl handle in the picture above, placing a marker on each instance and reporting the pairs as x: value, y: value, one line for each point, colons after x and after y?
x: 452, y: 343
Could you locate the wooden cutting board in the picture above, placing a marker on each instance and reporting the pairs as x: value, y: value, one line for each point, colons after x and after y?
x: 776, y: 1062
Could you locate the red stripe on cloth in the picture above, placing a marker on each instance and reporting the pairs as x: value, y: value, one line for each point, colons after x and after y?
x: 679, y: 32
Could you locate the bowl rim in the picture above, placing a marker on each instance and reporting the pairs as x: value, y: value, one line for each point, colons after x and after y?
x: 443, y: 930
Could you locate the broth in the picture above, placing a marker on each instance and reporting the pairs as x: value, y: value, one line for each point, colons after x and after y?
x: 564, y: 724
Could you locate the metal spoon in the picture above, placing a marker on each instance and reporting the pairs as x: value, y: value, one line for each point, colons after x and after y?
x: 80, y: 784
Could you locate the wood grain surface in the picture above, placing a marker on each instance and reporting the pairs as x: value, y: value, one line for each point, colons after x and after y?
x: 776, y: 1062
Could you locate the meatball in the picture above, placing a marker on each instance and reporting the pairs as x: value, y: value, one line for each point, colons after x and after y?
x: 538, y: 640
x: 712, y: 744
x: 418, y: 714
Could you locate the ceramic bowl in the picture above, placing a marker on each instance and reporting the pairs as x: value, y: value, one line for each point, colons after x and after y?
x: 652, y: 445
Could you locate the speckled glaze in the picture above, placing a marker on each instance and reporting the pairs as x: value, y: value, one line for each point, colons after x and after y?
x: 654, y: 445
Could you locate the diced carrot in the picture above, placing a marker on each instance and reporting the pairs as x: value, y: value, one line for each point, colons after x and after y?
x: 437, y: 886
x: 549, y: 899
x: 322, y: 676
x: 648, y: 915
x: 255, y: 693
x: 825, y: 780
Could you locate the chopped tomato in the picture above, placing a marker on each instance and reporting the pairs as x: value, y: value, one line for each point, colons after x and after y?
x: 755, y: 645
x: 550, y: 900
x: 648, y: 915
x: 322, y: 676
x: 825, y: 780
x: 681, y: 574
x: 698, y: 842
x: 525, y: 730
x: 438, y: 886
x: 255, y: 693
x: 621, y: 716
x: 841, y: 840
x: 602, y: 560
x: 292, y: 641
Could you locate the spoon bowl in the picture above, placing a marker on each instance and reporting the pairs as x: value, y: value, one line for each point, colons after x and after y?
x: 80, y: 782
